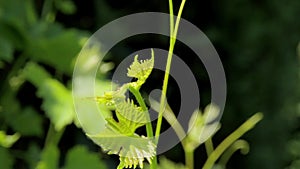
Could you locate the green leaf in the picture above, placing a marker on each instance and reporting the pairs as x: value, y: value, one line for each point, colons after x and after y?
x: 8, y: 140
x: 28, y: 123
x: 141, y: 69
x: 130, y: 114
x: 49, y: 159
x: 79, y: 157
x: 57, y: 103
x: 294, y: 147
x: 295, y: 164
x: 119, y: 136
x: 57, y: 99
x: 58, y: 50
x: 65, y: 6
x: 22, y: 15
x: 6, y: 50
x: 32, y: 155
x: 132, y: 150
x: 35, y: 74
x: 6, y: 160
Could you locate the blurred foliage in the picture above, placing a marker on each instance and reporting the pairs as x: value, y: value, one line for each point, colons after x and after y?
x: 255, y: 39
x: 37, y: 56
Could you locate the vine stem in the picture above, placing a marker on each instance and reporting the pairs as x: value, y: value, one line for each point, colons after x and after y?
x: 173, y: 34
x: 209, y: 146
x: 168, y: 65
x: 246, y: 126
x: 53, y: 137
x: 189, y: 158
x: 141, y: 102
x: 241, y: 145
x: 149, y: 128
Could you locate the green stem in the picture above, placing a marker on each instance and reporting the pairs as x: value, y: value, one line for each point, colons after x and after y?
x: 209, y: 146
x: 53, y: 137
x: 241, y: 145
x: 141, y: 102
x: 171, y: 20
x: 246, y: 126
x: 149, y: 128
x: 189, y: 158
x: 168, y: 66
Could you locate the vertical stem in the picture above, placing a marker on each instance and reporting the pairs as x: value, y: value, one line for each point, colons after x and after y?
x: 168, y: 66
x: 141, y: 102
x: 149, y: 128
x: 53, y: 137
x: 209, y: 146
x: 189, y: 158
x: 171, y: 20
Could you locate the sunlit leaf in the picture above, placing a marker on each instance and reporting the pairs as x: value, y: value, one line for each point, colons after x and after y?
x: 35, y: 74
x: 8, y: 140
x: 119, y: 138
x: 141, y: 69
x: 57, y: 103
x: 57, y: 99
x: 132, y: 150
x: 130, y: 114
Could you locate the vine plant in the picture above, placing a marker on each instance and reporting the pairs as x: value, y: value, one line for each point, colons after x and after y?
x: 119, y: 136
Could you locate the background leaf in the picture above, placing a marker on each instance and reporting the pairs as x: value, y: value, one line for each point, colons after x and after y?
x: 8, y: 140
x: 57, y: 98
x: 79, y: 157
x: 49, y: 158
x: 6, y: 159
x: 28, y: 123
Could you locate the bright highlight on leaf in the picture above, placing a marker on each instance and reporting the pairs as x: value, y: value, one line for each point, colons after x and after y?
x: 8, y: 140
x: 141, y: 69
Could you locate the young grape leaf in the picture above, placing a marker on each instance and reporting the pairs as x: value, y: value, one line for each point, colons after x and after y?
x: 119, y: 138
x: 119, y: 135
x: 141, y: 69
x: 131, y: 149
